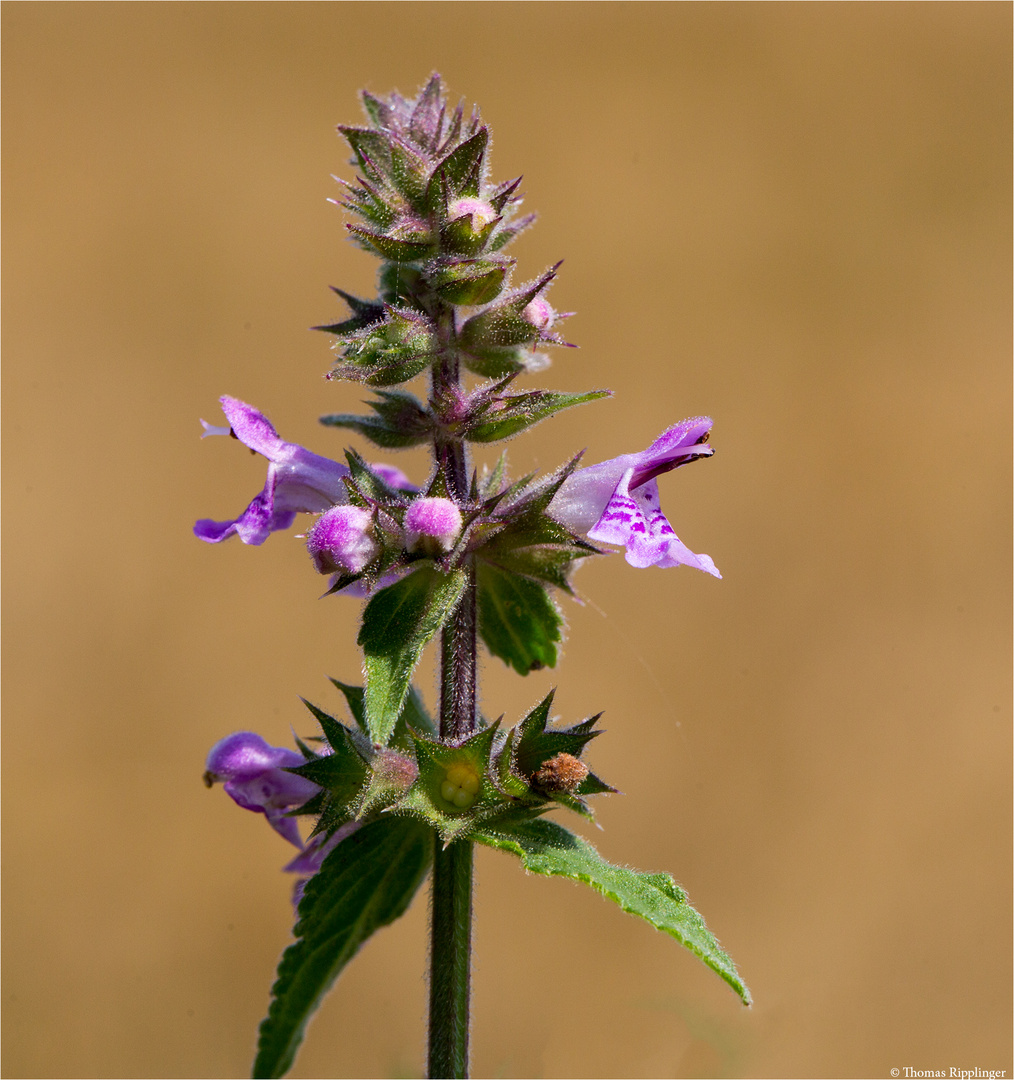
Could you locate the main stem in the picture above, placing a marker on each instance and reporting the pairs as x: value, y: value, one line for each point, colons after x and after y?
x: 451, y: 926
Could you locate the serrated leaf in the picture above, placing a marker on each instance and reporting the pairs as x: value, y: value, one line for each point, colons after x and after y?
x: 516, y: 412
x: 547, y: 848
x: 367, y: 882
x: 397, y: 624
x: 518, y: 620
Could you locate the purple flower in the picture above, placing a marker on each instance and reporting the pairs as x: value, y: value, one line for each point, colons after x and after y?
x: 435, y: 518
x: 298, y: 481
x: 342, y: 537
x: 309, y: 860
x: 255, y: 778
x: 617, y: 502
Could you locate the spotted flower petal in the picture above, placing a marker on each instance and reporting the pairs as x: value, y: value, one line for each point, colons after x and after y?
x: 617, y: 501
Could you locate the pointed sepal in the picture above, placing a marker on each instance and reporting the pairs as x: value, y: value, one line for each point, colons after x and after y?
x: 454, y: 790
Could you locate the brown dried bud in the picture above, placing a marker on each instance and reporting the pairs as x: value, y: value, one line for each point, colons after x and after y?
x: 563, y: 772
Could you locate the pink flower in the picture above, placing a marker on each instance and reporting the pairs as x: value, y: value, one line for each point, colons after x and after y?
x: 298, y: 480
x: 437, y: 519
x: 342, y: 537
x: 617, y: 502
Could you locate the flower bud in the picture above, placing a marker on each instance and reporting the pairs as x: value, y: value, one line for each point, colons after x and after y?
x: 539, y: 313
x: 480, y: 212
x: 470, y: 222
x: 342, y: 539
x: 432, y: 524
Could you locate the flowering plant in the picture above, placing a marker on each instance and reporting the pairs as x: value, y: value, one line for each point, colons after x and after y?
x: 395, y: 795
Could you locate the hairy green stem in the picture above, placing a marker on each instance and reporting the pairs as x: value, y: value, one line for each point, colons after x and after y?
x: 450, y: 960
x: 451, y: 913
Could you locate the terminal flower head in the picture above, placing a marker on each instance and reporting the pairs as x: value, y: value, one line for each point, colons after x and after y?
x: 617, y: 501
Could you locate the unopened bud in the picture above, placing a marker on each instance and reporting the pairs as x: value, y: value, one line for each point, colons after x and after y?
x: 539, y: 313
x: 342, y: 539
x: 480, y: 212
x: 469, y: 224
x: 432, y: 524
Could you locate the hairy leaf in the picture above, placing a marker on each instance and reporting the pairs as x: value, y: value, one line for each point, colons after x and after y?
x: 397, y: 624
x: 517, y: 619
x: 547, y: 848
x: 367, y: 882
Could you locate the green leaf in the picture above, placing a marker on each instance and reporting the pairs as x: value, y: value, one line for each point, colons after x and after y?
x: 547, y: 848
x: 516, y: 412
x: 367, y: 882
x: 397, y: 624
x: 413, y: 714
x: 517, y: 619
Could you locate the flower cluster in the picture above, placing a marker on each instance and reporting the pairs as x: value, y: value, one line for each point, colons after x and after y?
x: 349, y: 781
x: 615, y: 502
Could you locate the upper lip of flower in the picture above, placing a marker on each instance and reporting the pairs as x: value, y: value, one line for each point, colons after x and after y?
x: 297, y: 480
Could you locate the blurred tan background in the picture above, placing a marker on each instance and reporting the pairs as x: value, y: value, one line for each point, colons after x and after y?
x: 793, y: 217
